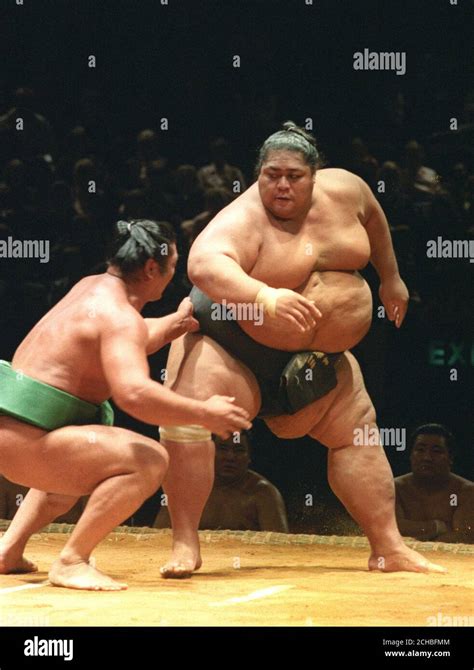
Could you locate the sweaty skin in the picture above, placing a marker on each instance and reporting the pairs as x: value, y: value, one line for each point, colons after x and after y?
x: 311, y: 235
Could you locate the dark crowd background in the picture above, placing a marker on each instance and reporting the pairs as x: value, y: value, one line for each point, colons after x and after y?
x: 174, y: 62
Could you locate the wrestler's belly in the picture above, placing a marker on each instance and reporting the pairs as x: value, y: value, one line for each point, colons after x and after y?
x: 345, y: 301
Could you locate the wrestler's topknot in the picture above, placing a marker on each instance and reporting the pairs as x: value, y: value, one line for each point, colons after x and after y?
x: 138, y: 240
x: 290, y: 138
x: 291, y: 127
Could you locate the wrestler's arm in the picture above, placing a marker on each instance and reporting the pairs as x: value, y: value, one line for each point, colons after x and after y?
x: 393, y: 292
x: 421, y: 530
x: 165, y: 329
x: 123, y: 355
x: 221, y: 259
x: 428, y: 529
x: 270, y: 509
x: 382, y: 254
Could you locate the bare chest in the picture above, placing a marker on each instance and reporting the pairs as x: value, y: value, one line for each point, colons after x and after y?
x: 331, y: 238
x: 230, y: 509
x: 436, y: 505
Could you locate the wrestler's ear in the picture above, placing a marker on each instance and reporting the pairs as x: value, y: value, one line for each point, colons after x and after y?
x: 150, y: 268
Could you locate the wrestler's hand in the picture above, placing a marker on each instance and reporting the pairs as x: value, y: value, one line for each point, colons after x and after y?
x: 185, y: 310
x: 296, y: 310
x: 223, y: 417
x: 394, y: 296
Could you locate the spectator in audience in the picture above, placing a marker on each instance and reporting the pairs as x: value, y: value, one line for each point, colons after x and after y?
x: 362, y: 163
x: 77, y: 145
x: 241, y: 498
x: 92, y: 209
x: 37, y: 136
x: 61, y: 211
x: 215, y: 199
x: 219, y: 173
x: 187, y: 193
x: 147, y: 152
x: 159, y: 201
x: 417, y: 176
x: 457, y: 184
x: 41, y: 179
x: 16, y: 195
x: 395, y: 202
x: 432, y: 502
x: 94, y: 116
x: 133, y: 205
x: 469, y: 206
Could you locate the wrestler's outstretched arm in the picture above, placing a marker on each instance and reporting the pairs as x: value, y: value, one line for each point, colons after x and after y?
x: 393, y: 291
x: 219, y: 264
x: 163, y: 330
x: 123, y: 356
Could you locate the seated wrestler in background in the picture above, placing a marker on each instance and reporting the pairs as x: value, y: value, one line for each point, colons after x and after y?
x: 241, y: 499
x: 432, y: 503
x: 291, y: 245
x: 56, y: 425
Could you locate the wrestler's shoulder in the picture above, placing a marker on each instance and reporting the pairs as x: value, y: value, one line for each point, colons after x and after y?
x: 339, y: 181
x: 259, y: 484
x: 461, y: 484
x: 246, y: 209
x: 246, y: 202
x: 107, y: 303
x: 404, y: 481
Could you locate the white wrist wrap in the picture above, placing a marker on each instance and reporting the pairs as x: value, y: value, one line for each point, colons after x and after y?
x: 268, y: 296
x: 184, y: 434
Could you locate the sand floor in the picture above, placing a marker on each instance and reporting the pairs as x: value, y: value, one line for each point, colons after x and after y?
x: 247, y: 579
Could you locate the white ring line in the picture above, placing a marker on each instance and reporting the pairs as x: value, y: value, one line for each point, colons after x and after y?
x: 23, y: 587
x: 255, y: 595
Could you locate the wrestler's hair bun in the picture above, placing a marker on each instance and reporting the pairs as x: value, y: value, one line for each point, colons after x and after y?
x: 291, y: 127
x: 123, y: 227
x: 137, y: 240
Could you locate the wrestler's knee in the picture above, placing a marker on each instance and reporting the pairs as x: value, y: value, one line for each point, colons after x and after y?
x: 150, y: 462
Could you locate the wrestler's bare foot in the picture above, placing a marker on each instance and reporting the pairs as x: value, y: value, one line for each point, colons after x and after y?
x: 185, y: 559
x: 403, y: 560
x: 82, y: 575
x: 12, y: 564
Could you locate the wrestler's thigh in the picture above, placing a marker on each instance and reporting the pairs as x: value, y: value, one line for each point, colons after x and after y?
x: 198, y: 368
x: 73, y: 460
x: 331, y: 420
x: 351, y: 409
